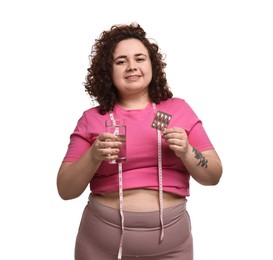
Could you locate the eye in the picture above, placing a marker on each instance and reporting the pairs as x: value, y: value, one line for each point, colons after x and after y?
x: 120, y: 61
x: 140, y: 59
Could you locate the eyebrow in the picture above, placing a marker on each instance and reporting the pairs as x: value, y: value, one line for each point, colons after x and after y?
x: 124, y: 56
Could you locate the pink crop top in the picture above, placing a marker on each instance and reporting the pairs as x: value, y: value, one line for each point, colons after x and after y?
x: 141, y: 168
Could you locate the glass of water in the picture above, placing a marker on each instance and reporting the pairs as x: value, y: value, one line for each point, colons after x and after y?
x: 118, y: 128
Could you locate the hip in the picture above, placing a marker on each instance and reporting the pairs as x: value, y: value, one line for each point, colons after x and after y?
x: 100, y: 230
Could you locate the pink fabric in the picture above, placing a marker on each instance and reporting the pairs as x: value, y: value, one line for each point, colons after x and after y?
x: 140, y: 169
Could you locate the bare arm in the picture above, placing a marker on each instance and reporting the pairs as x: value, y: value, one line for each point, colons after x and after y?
x: 74, y: 177
x: 205, y: 167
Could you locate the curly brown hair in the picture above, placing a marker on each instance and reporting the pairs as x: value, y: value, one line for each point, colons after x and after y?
x: 99, y: 84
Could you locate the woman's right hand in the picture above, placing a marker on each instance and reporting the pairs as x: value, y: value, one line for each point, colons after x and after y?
x: 106, y: 147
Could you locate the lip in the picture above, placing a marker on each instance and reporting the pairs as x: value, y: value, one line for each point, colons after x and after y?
x: 132, y: 77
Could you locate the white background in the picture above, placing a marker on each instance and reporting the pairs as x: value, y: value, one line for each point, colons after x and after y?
x: 220, y: 59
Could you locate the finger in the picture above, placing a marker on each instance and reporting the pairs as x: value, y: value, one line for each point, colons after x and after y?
x: 109, y: 152
x: 173, y: 136
x: 112, y: 155
x: 174, y: 130
x: 175, y: 142
x: 110, y: 136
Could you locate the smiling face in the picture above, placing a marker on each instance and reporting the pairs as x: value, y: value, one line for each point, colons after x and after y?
x: 132, y: 69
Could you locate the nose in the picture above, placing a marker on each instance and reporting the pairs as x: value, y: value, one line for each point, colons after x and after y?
x: 131, y: 66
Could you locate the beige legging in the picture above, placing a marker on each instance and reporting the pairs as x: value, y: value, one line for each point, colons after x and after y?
x: 99, y: 234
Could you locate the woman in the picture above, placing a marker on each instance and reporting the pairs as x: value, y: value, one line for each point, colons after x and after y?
x: 137, y: 208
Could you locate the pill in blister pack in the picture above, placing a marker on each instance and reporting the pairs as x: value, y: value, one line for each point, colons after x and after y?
x: 161, y: 120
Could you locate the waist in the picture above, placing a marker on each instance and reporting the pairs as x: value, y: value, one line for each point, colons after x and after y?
x: 134, y: 219
x: 138, y: 200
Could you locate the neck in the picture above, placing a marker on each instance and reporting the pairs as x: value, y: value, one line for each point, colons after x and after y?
x: 139, y: 103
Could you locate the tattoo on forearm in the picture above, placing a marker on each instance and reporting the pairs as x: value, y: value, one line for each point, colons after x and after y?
x: 203, y: 162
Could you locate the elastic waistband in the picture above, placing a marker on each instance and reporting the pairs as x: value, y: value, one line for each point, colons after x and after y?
x: 136, y: 219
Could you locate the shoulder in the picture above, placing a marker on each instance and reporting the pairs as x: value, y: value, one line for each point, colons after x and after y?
x: 88, y: 114
x: 91, y: 121
x: 91, y: 111
x: 177, y: 106
x: 174, y: 102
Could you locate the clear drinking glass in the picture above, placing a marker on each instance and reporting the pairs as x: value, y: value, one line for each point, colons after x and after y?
x: 118, y: 128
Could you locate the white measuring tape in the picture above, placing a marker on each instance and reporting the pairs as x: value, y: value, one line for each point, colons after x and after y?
x: 160, y: 180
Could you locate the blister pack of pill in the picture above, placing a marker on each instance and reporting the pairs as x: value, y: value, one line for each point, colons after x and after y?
x: 161, y: 120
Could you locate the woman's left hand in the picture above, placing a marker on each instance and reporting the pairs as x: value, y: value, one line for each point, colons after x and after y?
x: 177, y: 139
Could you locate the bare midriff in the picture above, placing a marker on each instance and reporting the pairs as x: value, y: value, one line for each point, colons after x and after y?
x: 138, y: 200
